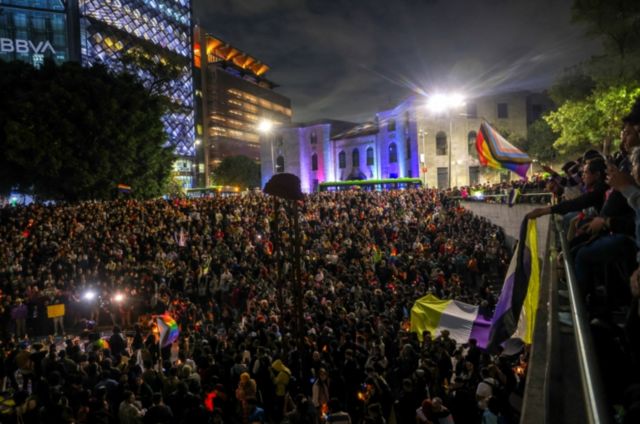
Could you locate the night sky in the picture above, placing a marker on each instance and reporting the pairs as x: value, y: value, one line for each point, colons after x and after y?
x: 347, y: 59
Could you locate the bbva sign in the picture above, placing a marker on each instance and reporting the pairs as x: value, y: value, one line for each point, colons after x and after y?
x: 8, y: 45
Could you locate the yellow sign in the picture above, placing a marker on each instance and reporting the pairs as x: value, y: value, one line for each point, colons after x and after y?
x: 54, y: 311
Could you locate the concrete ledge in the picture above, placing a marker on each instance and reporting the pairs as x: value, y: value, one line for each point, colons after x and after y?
x: 509, y: 219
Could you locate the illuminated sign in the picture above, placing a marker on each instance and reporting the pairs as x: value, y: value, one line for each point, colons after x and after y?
x: 7, y: 45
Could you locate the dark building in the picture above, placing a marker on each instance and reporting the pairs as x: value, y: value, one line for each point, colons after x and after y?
x: 233, y: 96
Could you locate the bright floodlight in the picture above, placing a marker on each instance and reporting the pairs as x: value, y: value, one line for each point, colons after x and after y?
x: 265, y: 126
x: 444, y: 102
x: 89, y: 295
x: 119, y: 297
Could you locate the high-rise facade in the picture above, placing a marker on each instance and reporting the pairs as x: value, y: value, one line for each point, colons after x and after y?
x: 232, y: 96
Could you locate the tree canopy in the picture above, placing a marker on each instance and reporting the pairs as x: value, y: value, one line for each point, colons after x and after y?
x: 594, y: 121
x: 238, y: 171
x: 74, y: 133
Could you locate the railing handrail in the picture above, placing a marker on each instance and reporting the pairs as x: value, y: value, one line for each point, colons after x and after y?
x: 596, y: 408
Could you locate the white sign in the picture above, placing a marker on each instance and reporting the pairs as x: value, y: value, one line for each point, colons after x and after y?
x: 7, y: 45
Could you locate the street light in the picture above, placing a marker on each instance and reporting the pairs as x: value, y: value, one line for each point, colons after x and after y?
x: 439, y: 103
x: 265, y: 127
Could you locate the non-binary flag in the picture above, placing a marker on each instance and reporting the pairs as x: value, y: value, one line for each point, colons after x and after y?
x: 167, y: 329
x: 462, y: 320
x: 515, y: 312
x: 496, y: 152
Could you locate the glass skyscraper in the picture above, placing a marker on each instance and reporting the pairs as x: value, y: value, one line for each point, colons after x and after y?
x: 157, y: 30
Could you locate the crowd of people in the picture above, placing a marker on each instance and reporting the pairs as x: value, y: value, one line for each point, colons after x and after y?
x: 222, y: 267
x: 257, y: 345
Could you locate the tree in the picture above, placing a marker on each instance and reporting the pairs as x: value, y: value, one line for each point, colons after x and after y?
x: 540, y: 142
x: 594, y: 121
x: 72, y: 133
x: 238, y: 171
x: 617, y: 24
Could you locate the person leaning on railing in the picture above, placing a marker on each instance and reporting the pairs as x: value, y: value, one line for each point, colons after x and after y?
x: 594, y: 179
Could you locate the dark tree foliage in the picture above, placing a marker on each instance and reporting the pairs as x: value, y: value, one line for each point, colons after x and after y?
x: 74, y: 133
x: 238, y: 171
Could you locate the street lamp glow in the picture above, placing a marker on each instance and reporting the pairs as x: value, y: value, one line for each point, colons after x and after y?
x: 119, y: 297
x: 443, y: 102
x: 265, y: 126
x: 89, y: 295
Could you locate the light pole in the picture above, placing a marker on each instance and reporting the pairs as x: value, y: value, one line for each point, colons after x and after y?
x: 423, y: 157
x: 439, y: 103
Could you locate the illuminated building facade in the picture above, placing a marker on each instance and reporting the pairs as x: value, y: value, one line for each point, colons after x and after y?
x: 406, y: 141
x: 232, y: 97
x: 33, y: 30
x: 157, y: 30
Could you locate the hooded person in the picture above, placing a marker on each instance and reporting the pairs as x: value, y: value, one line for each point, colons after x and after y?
x: 280, y: 375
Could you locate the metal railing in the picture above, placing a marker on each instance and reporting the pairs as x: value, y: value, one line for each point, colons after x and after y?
x: 595, y: 399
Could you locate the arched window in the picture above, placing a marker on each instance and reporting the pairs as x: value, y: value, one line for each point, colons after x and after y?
x: 355, y: 158
x: 313, y: 138
x: 342, y: 160
x: 407, y: 148
x: 314, y: 162
x: 441, y: 143
x: 471, y: 144
x: 280, y: 164
x: 370, y: 156
x: 279, y: 141
x: 393, y: 153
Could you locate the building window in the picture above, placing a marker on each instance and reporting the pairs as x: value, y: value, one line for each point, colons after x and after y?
x: 370, y: 156
x: 471, y: 144
x: 280, y: 164
x: 407, y: 148
x: 279, y: 141
x: 355, y: 158
x: 503, y: 110
x: 443, y: 178
x: 314, y: 162
x: 393, y: 153
x: 313, y: 138
x: 391, y: 125
x: 342, y: 160
x: 474, y: 175
x: 441, y: 143
x: 472, y: 110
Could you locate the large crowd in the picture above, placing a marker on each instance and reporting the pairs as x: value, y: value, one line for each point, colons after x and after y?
x: 218, y: 267
x: 256, y: 347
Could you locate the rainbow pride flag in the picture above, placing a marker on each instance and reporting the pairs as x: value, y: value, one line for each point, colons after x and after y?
x: 496, y: 152
x: 167, y: 329
x: 123, y: 188
x: 462, y: 320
